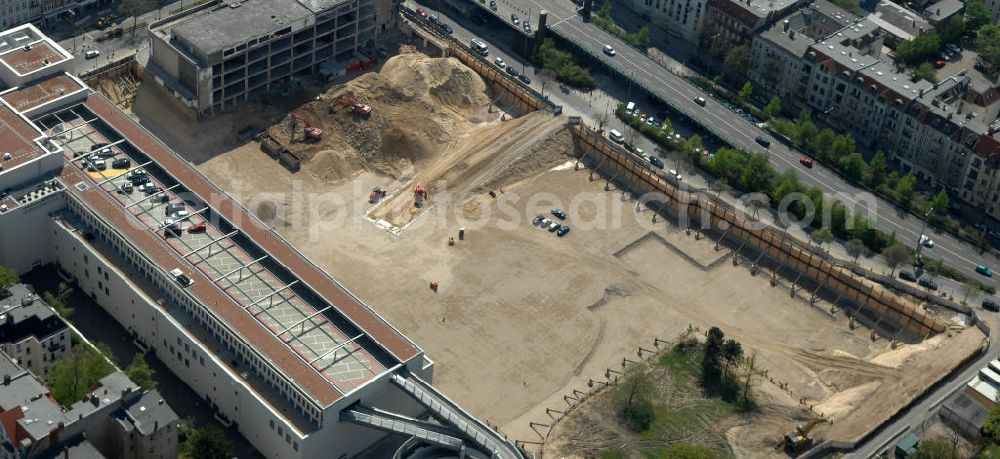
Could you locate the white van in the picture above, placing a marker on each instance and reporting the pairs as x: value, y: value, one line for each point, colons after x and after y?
x: 616, y: 136
x: 630, y: 107
x: 479, y: 47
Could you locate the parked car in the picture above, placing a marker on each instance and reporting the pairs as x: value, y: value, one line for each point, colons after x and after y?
x: 656, y: 161
x: 493, y: 5
x: 537, y: 220
x: 91, y: 54
x: 927, y: 283
x: 512, y: 71
x: 198, y: 228
x: 990, y: 305
x: 500, y: 63
x: 121, y: 163
x: 514, y: 19
x: 421, y: 12
x: 806, y: 161
x: 907, y: 276
x: 609, y: 50
x: 562, y: 231
x: 526, y: 25
x: 544, y: 223
x: 524, y: 79
x: 559, y: 213
x: 447, y: 29
x: 676, y: 174
x: 125, y: 188
x: 938, y: 63
x: 553, y: 227
x: 700, y: 101
x: 981, y: 269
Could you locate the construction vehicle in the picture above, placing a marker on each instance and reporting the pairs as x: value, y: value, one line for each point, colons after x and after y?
x: 309, y: 132
x: 799, y: 440
x: 419, y: 196
x: 376, y: 195
x: 357, y: 107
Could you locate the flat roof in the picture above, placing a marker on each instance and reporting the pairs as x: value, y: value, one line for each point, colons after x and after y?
x: 27, y: 59
x: 224, y: 27
x: 17, y: 138
x: 320, y: 359
x: 40, y: 93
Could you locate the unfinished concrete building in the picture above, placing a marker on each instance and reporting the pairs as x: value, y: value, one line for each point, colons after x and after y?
x: 219, y: 54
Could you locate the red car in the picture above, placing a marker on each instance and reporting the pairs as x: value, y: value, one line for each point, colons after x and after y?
x: 421, y: 12
x: 198, y: 228
x: 938, y: 63
x: 806, y: 161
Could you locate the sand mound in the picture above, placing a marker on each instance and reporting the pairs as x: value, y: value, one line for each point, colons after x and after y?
x: 419, y: 106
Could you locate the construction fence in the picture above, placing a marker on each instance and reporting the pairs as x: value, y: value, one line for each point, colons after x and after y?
x: 755, y: 239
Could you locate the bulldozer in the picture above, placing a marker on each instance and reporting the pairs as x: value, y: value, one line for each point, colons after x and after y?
x: 358, y: 108
x: 310, y: 133
x: 799, y: 440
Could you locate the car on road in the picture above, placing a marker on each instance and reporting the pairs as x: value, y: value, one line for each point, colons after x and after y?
x: 806, y: 161
x: 500, y: 63
x: 674, y: 173
x: 553, y: 227
x: 982, y: 269
x: 512, y: 71
x: 493, y: 5
x: 990, y: 305
x: 200, y: 227
x: 609, y: 50
x: 447, y: 29
x: 907, y: 276
x: 526, y: 25
x: 700, y: 101
x: 656, y: 161
x: 562, y: 231
x: 763, y: 141
x: 926, y: 241
x: 927, y: 283
x: 616, y: 136
x: 514, y: 19
x: 559, y: 213
x: 938, y: 63
x: 91, y: 54
x: 524, y: 79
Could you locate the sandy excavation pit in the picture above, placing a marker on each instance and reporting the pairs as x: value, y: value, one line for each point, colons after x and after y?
x: 522, y: 316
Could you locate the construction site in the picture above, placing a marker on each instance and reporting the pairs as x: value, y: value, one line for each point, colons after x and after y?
x: 373, y: 178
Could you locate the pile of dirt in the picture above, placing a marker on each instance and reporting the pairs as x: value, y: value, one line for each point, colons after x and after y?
x: 420, y: 105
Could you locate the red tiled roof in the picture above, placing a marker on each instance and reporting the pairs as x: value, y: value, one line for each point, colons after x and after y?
x: 27, y: 61
x: 16, y: 138
x: 42, y: 92
x: 372, y: 325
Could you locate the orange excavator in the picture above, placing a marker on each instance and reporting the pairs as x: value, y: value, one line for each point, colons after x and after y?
x: 357, y: 107
x: 309, y: 132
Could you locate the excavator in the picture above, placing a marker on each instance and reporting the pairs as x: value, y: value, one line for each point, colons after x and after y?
x: 799, y: 440
x: 357, y: 107
x: 309, y: 132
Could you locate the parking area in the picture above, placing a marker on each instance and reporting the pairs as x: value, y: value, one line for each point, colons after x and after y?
x: 188, y: 228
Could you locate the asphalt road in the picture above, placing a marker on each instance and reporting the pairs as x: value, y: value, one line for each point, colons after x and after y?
x: 739, y: 132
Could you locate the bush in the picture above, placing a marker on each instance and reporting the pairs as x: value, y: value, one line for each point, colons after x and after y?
x: 561, y: 63
x: 603, y: 20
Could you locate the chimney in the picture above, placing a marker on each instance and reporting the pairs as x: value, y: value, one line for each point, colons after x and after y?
x: 791, y: 34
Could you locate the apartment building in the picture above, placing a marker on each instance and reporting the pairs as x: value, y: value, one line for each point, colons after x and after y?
x: 30, y: 331
x: 731, y: 23
x: 277, y: 348
x: 215, y: 56
x: 776, y: 54
x: 946, y: 132
x: 34, y: 425
x: 681, y: 18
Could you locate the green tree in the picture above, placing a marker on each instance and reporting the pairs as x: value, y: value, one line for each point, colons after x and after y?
x: 976, y: 16
x: 988, y: 39
x: 72, y: 375
x: 821, y: 236
x: 853, y: 166
x: 905, y: 190
x: 745, y: 92
x: 953, y: 29
x: 925, y: 72
x: 773, y: 107
x: 711, y: 371
x: 877, y: 169
x: 141, y: 373
x: 692, y: 148
x: 633, y: 397
x: 991, y: 426
x: 932, y: 448
x: 940, y: 202
x: 605, y: 10
x: 8, y: 277
x: 732, y: 352
x: 855, y: 247
x: 736, y: 63
x: 925, y: 46
x: 57, y: 304
x: 805, y: 130
x: 895, y: 255
x: 205, y: 444
x: 785, y: 184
